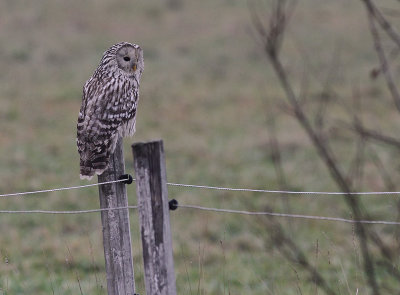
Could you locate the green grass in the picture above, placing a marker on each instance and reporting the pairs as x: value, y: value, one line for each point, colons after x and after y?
x: 207, y: 91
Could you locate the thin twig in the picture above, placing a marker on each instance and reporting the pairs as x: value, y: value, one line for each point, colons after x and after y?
x: 383, y: 60
x: 371, y: 134
x: 383, y: 22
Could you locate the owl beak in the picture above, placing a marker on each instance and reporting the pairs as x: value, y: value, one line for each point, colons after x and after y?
x: 134, y: 67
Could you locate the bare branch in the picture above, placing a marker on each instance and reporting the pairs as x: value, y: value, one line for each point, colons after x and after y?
x: 276, y: 29
x: 331, y: 164
x: 372, y: 134
x: 380, y: 18
x: 375, y: 72
x: 383, y: 60
x: 278, y: 21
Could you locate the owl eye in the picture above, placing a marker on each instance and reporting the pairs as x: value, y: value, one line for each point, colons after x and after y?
x: 127, y: 58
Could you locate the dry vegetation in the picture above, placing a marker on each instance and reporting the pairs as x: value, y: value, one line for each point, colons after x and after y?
x: 211, y: 94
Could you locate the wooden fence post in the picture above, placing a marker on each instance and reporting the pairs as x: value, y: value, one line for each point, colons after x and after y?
x: 151, y: 188
x: 116, y: 228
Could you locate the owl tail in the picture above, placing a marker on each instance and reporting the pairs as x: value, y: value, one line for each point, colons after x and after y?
x: 97, y: 166
x: 93, y: 162
x: 95, y: 155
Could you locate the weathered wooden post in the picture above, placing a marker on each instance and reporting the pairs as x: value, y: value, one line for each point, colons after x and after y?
x: 151, y: 188
x: 116, y: 228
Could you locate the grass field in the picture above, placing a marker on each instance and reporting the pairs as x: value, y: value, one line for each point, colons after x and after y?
x: 208, y: 92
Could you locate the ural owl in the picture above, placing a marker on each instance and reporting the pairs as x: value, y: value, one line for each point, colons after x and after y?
x: 109, y: 106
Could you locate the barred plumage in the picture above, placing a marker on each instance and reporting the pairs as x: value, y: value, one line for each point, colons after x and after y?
x: 109, y: 106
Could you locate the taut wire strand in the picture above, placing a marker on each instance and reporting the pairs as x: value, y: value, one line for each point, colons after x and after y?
x: 209, y: 209
x: 61, y: 188
x: 289, y: 215
x: 208, y: 187
x: 65, y: 212
x: 279, y: 191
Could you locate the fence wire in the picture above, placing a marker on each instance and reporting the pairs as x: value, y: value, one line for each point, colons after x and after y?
x: 289, y: 215
x: 210, y: 209
x: 65, y: 212
x: 60, y: 189
x: 218, y: 210
x: 279, y: 191
x: 210, y: 188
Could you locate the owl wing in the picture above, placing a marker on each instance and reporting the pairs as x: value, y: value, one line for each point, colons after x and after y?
x: 107, y: 107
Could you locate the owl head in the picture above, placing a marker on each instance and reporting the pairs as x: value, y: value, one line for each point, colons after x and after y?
x: 125, y: 57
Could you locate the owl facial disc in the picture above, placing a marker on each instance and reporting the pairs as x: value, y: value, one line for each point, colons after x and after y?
x: 127, y: 57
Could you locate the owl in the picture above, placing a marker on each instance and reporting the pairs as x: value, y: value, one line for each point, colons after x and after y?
x: 109, y: 105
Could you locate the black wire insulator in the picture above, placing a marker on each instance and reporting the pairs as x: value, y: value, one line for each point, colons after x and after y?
x: 173, y: 204
x: 128, y: 178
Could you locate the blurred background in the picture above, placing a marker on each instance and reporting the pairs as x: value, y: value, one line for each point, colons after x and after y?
x: 210, y: 92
